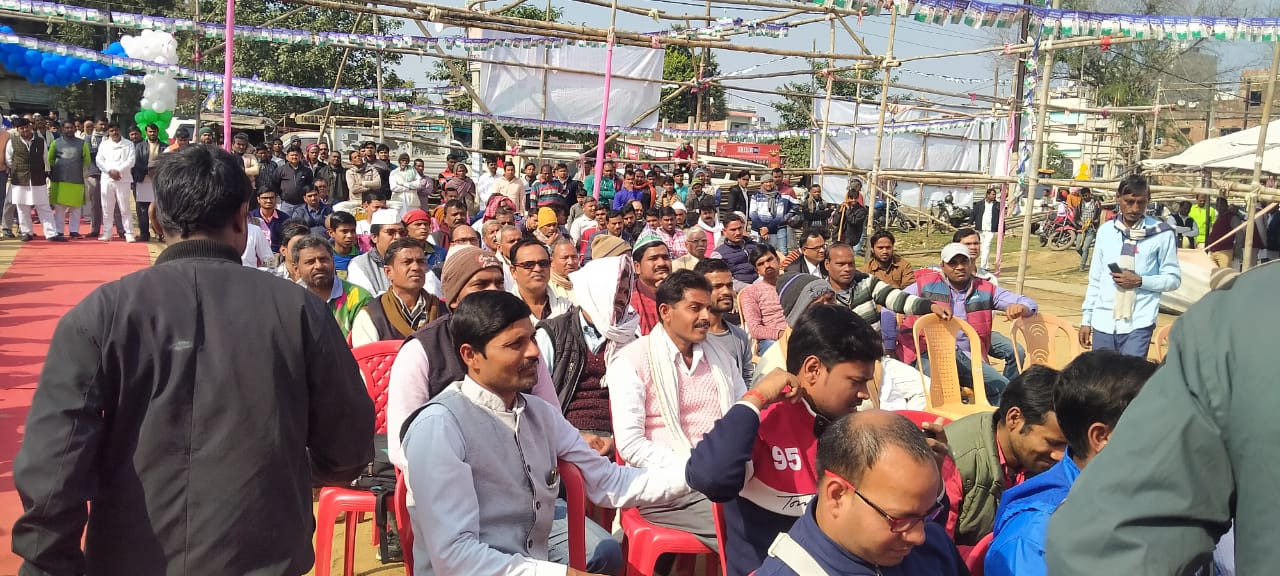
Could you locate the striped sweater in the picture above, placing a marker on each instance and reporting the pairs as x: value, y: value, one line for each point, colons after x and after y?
x: 866, y: 292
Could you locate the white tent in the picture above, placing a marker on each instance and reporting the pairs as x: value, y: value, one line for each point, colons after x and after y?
x: 1234, y: 151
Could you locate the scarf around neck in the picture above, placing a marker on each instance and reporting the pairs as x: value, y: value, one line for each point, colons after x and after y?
x: 402, y: 318
x: 596, y: 287
x: 1126, y: 298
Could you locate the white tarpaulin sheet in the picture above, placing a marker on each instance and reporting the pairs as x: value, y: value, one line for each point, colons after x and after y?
x: 516, y: 90
x: 1234, y: 151
x: 940, y: 149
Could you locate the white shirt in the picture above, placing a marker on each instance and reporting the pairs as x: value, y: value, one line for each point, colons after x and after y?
x: 814, y: 269
x: 113, y: 155
x: 484, y: 187
x: 408, y: 390
x: 257, y: 250
x: 407, y: 181
x: 436, y: 453
x: 627, y: 393
x: 579, y: 226
x: 989, y: 215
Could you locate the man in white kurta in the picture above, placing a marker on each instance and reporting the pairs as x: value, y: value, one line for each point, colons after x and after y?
x: 115, y: 158
x: 29, y: 180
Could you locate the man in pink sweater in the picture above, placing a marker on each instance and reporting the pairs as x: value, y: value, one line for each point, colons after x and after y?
x: 761, y: 310
x: 667, y: 389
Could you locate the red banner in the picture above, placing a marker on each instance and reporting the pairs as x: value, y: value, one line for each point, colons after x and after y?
x: 765, y: 153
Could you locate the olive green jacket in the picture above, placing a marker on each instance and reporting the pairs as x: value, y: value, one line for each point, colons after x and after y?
x: 972, y: 442
x: 1194, y: 450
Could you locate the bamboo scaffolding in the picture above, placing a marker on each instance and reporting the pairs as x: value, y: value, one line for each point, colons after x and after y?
x: 886, y: 64
x: 459, y: 17
x: 826, y: 113
x: 465, y: 83
x: 1037, y: 147
x: 1251, y: 198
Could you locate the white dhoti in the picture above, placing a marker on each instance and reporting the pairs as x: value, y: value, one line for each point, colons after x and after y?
x: 116, y: 192
x: 143, y: 192
x: 26, y: 197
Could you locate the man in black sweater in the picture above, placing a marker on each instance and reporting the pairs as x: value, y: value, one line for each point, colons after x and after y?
x: 184, y: 430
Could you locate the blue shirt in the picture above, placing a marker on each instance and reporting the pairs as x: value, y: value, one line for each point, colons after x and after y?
x: 1022, y: 520
x: 1156, y: 260
x: 936, y: 557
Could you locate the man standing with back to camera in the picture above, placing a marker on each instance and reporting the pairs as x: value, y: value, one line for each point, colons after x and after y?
x: 171, y: 427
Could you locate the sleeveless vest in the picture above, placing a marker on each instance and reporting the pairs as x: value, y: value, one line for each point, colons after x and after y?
x: 446, y: 366
x: 973, y: 447
x: 28, y: 167
x: 977, y: 305
x: 570, y: 351
x: 387, y: 330
x: 68, y: 160
x: 514, y: 477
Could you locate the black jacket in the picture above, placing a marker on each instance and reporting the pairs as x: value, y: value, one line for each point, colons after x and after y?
x: 190, y: 405
x: 290, y: 182
x: 142, y: 159
x: 980, y: 207
x: 850, y: 221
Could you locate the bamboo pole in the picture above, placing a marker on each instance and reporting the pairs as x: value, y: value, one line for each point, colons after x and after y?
x: 465, y: 83
x: 639, y: 118
x: 460, y: 17
x: 826, y: 112
x: 377, y: 31
x: 1251, y: 200
x: 1042, y: 118
x: 598, y: 168
x: 885, y: 66
x: 542, y: 131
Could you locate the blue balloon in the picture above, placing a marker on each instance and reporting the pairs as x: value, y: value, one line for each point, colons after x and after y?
x: 114, y: 49
x: 32, y: 57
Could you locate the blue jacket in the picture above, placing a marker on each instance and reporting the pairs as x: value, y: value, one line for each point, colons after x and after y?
x: 1156, y: 261
x: 936, y: 557
x: 1022, y: 521
x: 736, y: 257
x: 769, y: 212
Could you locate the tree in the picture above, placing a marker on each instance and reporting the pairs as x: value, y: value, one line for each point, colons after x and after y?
x: 680, y: 64
x: 304, y: 65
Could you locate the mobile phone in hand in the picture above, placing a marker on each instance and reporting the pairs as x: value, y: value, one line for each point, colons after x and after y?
x: 1115, y: 268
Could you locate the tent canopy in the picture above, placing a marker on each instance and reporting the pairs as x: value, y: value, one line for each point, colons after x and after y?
x: 1231, y: 152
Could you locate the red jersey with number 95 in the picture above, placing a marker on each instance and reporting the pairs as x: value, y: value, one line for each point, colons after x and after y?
x: 782, y: 478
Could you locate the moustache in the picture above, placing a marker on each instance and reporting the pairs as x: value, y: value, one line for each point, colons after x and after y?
x: 702, y: 324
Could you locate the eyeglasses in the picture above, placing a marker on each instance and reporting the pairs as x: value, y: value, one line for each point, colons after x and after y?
x: 472, y: 240
x: 534, y: 264
x: 896, y: 525
x: 818, y: 248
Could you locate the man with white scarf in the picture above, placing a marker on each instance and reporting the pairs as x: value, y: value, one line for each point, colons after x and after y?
x: 667, y: 390
x: 1135, y: 259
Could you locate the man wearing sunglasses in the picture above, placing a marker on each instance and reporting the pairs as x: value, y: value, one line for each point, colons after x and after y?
x: 531, y: 268
x: 878, y: 491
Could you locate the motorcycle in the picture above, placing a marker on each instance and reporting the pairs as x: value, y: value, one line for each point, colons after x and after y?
x: 947, y: 211
x: 1060, y: 233
x: 893, y: 216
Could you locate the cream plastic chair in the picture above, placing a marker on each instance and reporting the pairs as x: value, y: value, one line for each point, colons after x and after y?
x: 1038, y: 336
x: 943, y: 396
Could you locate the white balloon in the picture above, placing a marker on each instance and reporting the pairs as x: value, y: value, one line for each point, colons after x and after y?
x: 145, y: 103
x: 437, y: 28
x: 158, y: 107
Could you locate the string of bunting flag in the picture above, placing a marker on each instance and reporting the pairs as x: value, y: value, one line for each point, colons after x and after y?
x: 356, y: 98
x: 212, y: 30
x: 978, y: 14
x: 342, y: 92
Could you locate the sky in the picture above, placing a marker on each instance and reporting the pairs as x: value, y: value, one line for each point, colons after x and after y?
x: 912, y: 39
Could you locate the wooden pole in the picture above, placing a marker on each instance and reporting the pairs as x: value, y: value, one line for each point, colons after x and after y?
x: 546, y: 52
x: 1251, y: 202
x: 466, y: 84
x: 1042, y: 117
x: 826, y: 111
x: 337, y: 81
x: 377, y: 31
x: 885, y: 66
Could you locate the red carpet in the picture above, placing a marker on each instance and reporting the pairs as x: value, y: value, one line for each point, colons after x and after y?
x: 45, y: 280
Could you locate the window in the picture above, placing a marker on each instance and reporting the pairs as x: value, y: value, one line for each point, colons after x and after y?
x: 1255, y: 97
x: 1186, y: 131
x: 1225, y: 131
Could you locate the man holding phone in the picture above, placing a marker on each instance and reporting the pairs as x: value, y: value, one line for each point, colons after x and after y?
x: 1135, y: 259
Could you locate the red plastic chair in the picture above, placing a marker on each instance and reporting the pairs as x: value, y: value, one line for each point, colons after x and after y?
x: 643, y: 542
x: 920, y: 417
x: 375, y: 364
x: 403, y: 526
x: 717, y: 513
x: 977, y: 557
x: 575, y: 494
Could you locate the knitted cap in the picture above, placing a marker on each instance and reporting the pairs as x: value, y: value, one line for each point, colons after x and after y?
x: 605, y: 245
x: 797, y: 292
x: 644, y: 242
x: 462, y: 264
x: 546, y: 216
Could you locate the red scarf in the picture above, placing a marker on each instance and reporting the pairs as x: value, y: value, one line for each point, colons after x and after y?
x: 646, y: 304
